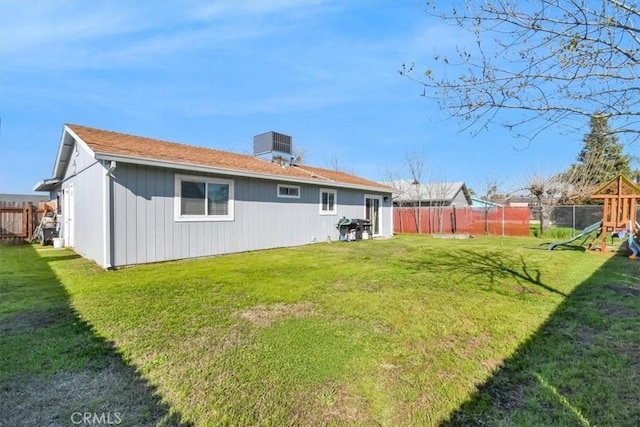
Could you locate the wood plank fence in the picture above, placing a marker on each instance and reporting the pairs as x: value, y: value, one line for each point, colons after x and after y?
x: 18, y: 221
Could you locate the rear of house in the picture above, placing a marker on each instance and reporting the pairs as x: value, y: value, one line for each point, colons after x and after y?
x: 127, y: 200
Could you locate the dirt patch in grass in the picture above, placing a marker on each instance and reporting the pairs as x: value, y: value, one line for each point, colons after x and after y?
x: 400, y: 251
x: 266, y: 315
x: 219, y: 340
x: 340, y: 285
x: 331, y: 404
x: 476, y: 343
x: 22, y: 320
x: 465, y: 346
x: 525, y: 290
x: 115, y: 391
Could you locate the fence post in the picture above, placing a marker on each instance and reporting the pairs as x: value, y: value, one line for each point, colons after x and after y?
x: 503, y: 221
x: 33, y: 214
x: 573, y: 223
x: 25, y: 222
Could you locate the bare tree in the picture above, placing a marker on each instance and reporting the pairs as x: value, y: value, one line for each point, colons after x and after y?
x: 298, y: 154
x: 406, y: 177
x: 417, y: 186
x: 489, y: 191
x: 337, y: 164
x: 635, y: 173
x: 437, y: 190
x: 391, y: 175
x: 546, y: 189
x: 535, y: 64
x: 416, y: 163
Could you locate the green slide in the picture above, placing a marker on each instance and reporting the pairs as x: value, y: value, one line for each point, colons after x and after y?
x: 588, y: 230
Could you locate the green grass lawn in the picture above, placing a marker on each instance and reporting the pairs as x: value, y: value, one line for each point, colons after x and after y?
x: 409, y: 331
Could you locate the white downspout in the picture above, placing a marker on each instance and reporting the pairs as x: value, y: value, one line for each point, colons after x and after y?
x: 106, y: 210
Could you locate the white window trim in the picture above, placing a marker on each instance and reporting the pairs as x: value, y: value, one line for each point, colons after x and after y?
x: 287, y: 196
x: 335, y: 201
x: 200, y: 218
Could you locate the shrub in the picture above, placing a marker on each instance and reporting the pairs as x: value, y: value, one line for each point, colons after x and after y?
x: 554, y: 232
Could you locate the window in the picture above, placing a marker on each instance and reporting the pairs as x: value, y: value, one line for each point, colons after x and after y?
x: 291, y: 191
x: 328, y: 201
x: 203, y: 199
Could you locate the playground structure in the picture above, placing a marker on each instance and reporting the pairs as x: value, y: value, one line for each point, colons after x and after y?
x: 620, y: 197
x: 620, y: 202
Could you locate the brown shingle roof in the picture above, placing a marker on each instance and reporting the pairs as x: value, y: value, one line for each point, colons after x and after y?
x: 114, y: 143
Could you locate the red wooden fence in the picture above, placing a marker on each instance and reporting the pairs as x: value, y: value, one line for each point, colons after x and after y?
x: 477, y: 221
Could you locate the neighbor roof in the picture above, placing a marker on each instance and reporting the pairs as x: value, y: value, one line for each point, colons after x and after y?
x: 110, y: 145
x: 18, y: 198
x: 480, y: 203
x: 407, y: 191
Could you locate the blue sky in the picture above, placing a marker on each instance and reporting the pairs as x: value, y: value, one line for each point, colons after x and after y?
x: 217, y: 73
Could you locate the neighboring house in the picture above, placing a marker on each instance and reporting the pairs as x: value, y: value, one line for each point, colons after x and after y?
x: 410, y: 193
x: 22, y: 198
x: 129, y: 200
x: 521, y: 201
x: 484, y: 204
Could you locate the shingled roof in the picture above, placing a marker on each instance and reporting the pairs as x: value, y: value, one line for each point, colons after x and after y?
x: 108, y: 144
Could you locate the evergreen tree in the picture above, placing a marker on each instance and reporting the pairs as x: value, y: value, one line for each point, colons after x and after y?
x: 601, y: 158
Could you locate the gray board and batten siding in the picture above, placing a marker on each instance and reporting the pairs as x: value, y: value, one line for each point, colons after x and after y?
x: 82, y: 187
x: 118, y: 212
x: 145, y: 229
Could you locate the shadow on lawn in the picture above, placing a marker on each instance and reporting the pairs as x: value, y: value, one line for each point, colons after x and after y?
x: 582, y: 367
x: 54, y: 368
x: 488, y: 268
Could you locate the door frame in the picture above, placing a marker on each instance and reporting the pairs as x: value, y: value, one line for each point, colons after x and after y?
x: 379, y: 216
x: 68, y: 213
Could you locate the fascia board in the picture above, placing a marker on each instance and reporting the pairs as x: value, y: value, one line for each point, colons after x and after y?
x: 231, y: 172
x: 58, y: 169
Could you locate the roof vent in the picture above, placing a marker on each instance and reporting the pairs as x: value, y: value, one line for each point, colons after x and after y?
x: 273, y: 145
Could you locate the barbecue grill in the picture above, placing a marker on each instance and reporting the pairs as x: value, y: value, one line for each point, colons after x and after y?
x: 353, y: 228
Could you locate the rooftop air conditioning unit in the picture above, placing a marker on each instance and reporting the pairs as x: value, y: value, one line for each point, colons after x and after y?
x: 273, y: 146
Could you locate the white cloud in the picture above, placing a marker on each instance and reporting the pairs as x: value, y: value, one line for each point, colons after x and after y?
x: 320, y: 69
x: 29, y: 25
x: 226, y: 9
x: 105, y: 35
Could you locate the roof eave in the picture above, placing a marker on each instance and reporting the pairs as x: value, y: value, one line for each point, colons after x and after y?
x: 67, y: 141
x: 46, y: 184
x: 64, y: 153
x: 233, y: 172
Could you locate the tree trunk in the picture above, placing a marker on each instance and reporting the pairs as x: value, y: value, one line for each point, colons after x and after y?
x: 541, y: 216
x: 486, y: 221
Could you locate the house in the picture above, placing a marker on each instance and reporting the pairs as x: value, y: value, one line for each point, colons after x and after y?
x: 410, y: 193
x: 484, y: 204
x: 19, y: 199
x: 521, y: 201
x: 127, y: 199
